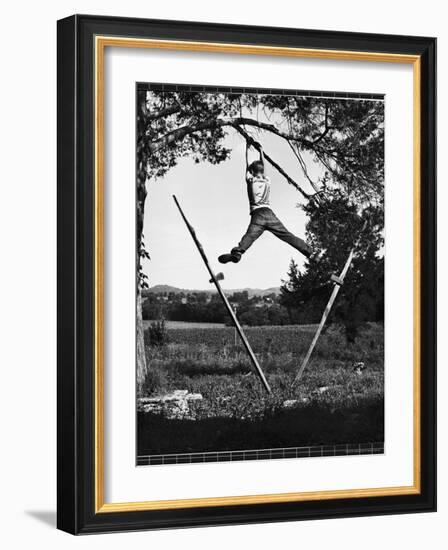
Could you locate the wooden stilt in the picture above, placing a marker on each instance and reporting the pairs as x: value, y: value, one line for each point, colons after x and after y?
x: 337, y: 286
x: 232, y: 314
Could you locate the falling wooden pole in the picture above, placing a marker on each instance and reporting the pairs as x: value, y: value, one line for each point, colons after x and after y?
x: 336, y: 288
x: 225, y: 300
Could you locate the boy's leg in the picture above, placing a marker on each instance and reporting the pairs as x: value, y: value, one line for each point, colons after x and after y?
x: 276, y: 227
x: 254, y: 231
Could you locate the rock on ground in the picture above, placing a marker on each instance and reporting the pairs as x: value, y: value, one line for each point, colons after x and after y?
x: 173, y: 405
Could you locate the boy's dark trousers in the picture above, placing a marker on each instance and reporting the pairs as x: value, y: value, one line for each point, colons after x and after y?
x: 263, y: 219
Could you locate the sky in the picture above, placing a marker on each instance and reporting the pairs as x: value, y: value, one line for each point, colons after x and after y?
x: 214, y: 199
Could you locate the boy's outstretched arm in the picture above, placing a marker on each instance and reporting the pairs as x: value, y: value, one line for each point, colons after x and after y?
x: 261, y: 155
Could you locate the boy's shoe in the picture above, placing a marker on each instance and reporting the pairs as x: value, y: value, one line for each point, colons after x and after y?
x: 234, y: 256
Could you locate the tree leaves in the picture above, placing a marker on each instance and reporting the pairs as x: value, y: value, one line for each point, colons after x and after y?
x: 335, y: 225
x: 344, y: 137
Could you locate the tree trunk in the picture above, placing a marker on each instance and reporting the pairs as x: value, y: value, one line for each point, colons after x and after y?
x: 140, y: 210
x: 140, y: 348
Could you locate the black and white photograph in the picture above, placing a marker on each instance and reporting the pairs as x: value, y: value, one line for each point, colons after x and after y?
x: 260, y: 274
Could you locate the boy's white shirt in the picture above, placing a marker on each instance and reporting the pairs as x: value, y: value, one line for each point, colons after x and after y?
x: 259, y: 191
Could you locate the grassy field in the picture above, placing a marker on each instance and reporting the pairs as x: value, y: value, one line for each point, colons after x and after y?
x: 333, y: 403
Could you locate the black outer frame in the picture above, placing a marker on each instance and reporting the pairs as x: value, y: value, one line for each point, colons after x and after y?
x: 75, y: 474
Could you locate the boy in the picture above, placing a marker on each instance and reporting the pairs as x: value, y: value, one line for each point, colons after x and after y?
x: 262, y: 218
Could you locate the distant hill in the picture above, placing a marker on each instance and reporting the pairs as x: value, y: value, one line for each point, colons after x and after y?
x: 161, y: 289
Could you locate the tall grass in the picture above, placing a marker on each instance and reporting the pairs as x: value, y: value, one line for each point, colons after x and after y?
x: 332, y: 403
x: 208, y: 362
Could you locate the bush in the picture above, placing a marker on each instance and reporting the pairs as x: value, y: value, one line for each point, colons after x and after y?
x: 158, y: 334
x: 155, y: 381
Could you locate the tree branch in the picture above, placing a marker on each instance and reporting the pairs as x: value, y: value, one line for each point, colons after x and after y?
x: 167, y: 111
x: 326, y: 129
x: 303, y: 166
x: 237, y: 123
x: 180, y: 133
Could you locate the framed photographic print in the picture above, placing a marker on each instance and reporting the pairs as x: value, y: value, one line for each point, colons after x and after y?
x: 246, y: 274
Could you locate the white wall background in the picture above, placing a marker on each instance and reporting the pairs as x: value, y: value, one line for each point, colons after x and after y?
x: 28, y: 272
